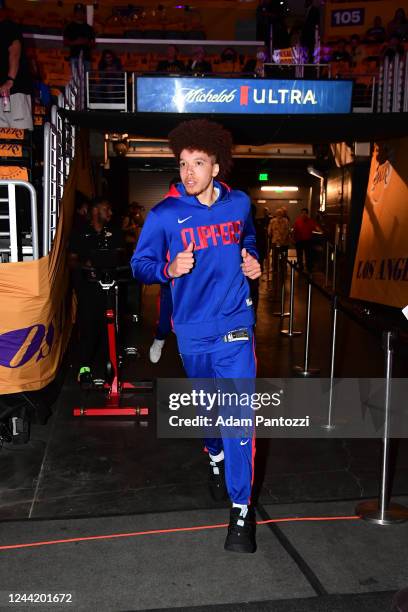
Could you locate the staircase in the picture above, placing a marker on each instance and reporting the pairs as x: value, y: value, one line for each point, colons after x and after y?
x: 18, y: 199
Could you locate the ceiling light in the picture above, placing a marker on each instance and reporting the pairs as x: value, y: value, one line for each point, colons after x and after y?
x: 277, y: 188
x: 311, y: 170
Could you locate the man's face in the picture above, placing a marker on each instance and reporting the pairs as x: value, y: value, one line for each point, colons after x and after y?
x: 79, y: 16
x: 197, y: 170
x: 83, y: 210
x: 104, y: 212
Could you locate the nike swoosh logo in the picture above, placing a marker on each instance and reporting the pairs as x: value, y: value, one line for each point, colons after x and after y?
x: 186, y: 219
x: 242, y: 443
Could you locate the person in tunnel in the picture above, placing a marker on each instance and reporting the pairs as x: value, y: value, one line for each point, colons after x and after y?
x: 201, y: 238
x: 96, y: 236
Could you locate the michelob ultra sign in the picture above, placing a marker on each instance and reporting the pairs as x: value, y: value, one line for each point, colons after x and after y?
x: 242, y: 96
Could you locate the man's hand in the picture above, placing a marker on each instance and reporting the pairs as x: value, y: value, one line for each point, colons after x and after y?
x: 250, y: 266
x: 182, y: 263
x: 6, y: 87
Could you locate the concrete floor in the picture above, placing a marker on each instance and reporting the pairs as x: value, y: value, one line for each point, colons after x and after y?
x: 83, y: 476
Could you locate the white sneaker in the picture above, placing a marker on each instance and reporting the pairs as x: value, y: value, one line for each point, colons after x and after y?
x: 156, y: 350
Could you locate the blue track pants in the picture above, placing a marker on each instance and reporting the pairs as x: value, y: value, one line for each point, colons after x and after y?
x: 233, y: 360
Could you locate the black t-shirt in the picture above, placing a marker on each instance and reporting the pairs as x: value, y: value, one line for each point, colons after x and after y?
x: 199, y: 67
x: 85, y: 242
x: 9, y: 32
x: 76, y: 30
x: 174, y: 67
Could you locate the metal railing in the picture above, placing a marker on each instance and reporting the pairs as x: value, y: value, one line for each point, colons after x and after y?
x: 13, y: 248
x: 392, y: 94
x: 106, y: 90
x: 53, y: 183
x: 384, y: 93
x: 59, y: 151
x: 364, y: 91
x: 379, y: 511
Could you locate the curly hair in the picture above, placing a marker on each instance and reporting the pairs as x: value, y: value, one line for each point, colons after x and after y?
x: 203, y: 135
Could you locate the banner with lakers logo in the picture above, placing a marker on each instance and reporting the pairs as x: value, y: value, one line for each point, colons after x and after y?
x: 36, y: 311
x: 381, y: 264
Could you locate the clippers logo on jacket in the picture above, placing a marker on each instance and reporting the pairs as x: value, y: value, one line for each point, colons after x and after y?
x: 214, y: 297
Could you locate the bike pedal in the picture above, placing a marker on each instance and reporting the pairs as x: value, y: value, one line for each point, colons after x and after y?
x: 132, y: 351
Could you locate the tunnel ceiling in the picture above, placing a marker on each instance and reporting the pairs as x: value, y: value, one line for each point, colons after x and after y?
x: 257, y: 129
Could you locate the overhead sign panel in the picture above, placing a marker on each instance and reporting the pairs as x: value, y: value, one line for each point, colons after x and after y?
x: 242, y: 96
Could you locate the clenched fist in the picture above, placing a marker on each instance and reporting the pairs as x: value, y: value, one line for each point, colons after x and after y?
x: 182, y: 263
x: 250, y: 266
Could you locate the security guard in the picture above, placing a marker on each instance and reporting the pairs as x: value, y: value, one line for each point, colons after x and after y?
x: 87, y: 245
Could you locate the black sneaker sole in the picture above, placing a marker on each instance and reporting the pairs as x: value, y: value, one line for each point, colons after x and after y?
x: 239, y: 548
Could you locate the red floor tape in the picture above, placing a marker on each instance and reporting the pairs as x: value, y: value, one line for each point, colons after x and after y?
x: 174, y: 530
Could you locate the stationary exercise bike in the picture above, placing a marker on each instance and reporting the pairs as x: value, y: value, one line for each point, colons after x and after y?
x: 110, y: 276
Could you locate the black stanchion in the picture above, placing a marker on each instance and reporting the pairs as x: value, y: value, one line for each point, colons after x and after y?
x: 326, y: 275
x: 329, y: 425
x: 282, y: 270
x: 305, y: 371
x: 381, y: 511
x: 290, y: 332
x: 334, y: 269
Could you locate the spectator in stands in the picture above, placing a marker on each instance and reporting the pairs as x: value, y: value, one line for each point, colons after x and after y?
x: 109, y: 62
x: 256, y: 65
x: 376, y: 34
x: 399, y: 25
x: 41, y: 95
x: 79, y: 36
x: 392, y: 48
x: 110, y: 85
x: 295, y: 34
x: 198, y: 65
x: 312, y: 19
x: 263, y: 21
x: 15, y: 79
x: 356, y: 50
x: 340, y: 54
x: 229, y: 61
x: 171, y: 64
x: 270, y: 23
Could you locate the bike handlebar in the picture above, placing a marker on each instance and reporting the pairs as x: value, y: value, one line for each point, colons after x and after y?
x: 107, y: 275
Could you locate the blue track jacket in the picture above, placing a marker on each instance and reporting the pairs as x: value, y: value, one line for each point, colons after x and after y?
x: 214, y: 297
